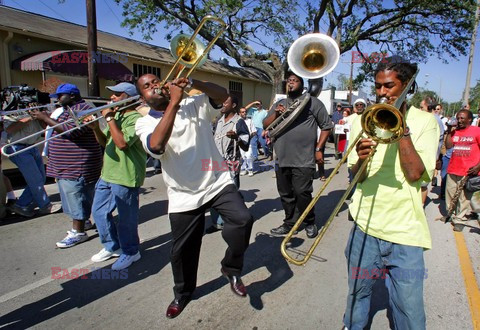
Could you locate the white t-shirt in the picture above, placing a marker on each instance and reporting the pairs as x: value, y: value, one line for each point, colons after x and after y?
x: 191, y: 164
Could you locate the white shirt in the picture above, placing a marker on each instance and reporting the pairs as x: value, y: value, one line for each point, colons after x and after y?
x: 189, y: 155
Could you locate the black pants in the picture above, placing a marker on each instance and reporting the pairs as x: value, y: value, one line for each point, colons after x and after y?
x: 187, y: 231
x: 295, y: 186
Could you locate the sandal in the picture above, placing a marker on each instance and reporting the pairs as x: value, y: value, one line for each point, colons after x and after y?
x: 323, y: 178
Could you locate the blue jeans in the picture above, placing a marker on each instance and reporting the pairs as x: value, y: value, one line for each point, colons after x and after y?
x: 77, y: 197
x: 263, y: 141
x: 30, y: 164
x: 443, y: 174
x: 254, y: 146
x: 402, y: 267
x: 122, y: 231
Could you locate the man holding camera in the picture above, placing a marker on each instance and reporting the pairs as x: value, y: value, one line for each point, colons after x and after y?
x: 30, y: 164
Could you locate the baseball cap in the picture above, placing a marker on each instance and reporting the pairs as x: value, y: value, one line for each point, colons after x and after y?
x: 124, y: 87
x: 360, y: 101
x: 65, y: 89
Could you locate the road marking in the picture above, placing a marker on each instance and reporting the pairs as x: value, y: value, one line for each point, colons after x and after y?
x: 471, y: 286
x: 46, y: 280
x: 39, y: 283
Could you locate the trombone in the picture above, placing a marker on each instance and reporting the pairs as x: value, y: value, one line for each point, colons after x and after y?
x: 189, y: 51
x: 16, y: 113
x: 383, y: 123
x: 77, y: 119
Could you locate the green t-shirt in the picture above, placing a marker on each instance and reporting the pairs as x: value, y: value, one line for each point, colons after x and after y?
x: 385, y: 205
x: 125, y: 167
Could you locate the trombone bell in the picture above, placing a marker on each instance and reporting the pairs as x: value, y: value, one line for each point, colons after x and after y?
x: 313, y: 55
x: 191, y: 54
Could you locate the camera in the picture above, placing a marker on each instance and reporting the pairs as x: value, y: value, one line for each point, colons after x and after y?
x: 17, y: 97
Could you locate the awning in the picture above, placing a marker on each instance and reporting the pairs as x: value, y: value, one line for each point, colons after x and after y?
x: 75, y: 62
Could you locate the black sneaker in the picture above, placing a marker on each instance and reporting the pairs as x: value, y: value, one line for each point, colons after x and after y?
x: 312, y: 230
x: 282, y: 230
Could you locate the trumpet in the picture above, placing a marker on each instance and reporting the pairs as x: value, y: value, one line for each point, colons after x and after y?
x: 189, y: 52
x: 383, y: 123
x: 77, y: 118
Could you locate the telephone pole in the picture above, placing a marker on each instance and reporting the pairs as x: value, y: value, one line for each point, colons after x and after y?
x: 350, y: 96
x: 93, y: 89
x: 466, y: 93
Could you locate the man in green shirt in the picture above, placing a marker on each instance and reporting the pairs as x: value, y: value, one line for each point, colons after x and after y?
x: 122, y: 175
x: 390, y: 231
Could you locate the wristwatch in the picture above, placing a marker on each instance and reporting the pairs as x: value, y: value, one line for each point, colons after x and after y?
x: 190, y: 82
x: 109, y: 118
x: 318, y: 149
x: 406, y: 132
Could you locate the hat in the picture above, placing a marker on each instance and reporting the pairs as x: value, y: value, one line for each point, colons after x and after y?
x: 65, y: 89
x: 124, y: 87
x: 360, y: 101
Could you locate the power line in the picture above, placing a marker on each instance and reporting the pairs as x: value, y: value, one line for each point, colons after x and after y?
x: 119, y: 22
x: 20, y: 5
x: 43, y: 3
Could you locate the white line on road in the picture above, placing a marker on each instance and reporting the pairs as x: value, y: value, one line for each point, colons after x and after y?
x: 46, y: 280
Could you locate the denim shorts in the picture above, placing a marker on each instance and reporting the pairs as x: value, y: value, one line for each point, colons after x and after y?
x: 77, y: 197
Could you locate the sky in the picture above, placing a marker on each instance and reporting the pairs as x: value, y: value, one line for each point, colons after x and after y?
x: 449, y: 79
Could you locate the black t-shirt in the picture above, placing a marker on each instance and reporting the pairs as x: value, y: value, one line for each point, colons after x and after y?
x: 295, y: 147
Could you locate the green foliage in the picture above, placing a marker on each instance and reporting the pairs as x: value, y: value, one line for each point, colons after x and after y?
x: 420, y: 95
x: 261, y: 31
x: 475, y: 97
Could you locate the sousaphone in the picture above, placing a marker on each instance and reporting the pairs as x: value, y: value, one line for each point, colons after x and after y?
x: 311, y: 56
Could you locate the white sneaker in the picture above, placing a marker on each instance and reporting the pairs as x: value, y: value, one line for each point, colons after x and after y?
x: 125, y: 261
x: 105, y: 255
x: 72, y: 238
x: 243, y: 173
x: 250, y: 173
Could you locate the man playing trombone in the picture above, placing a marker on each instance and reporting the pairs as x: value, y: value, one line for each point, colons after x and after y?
x: 390, y: 231
x: 179, y: 133
x: 75, y: 160
x: 123, y: 173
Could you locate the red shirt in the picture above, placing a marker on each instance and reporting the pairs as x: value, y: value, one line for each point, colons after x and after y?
x: 466, y: 150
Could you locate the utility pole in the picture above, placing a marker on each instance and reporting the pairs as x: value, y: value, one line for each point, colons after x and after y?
x: 351, y: 83
x: 93, y: 89
x: 466, y: 93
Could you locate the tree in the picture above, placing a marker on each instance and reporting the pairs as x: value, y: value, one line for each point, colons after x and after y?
x: 420, y: 94
x: 416, y: 28
x: 475, y: 97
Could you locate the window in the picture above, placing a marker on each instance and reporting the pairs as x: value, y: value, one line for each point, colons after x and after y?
x: 139, y: 69
x: 235, y: 86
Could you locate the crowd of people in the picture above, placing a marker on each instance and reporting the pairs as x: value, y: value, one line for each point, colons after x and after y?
x: 100, y: 169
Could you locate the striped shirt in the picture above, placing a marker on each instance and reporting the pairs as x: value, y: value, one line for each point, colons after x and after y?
x: 76, y: 154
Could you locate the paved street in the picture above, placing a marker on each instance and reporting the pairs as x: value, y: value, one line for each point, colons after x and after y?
x: 281, y: 296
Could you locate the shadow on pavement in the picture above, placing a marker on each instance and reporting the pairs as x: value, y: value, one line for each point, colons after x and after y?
x: 263, y: 252
x: 79, y: 292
